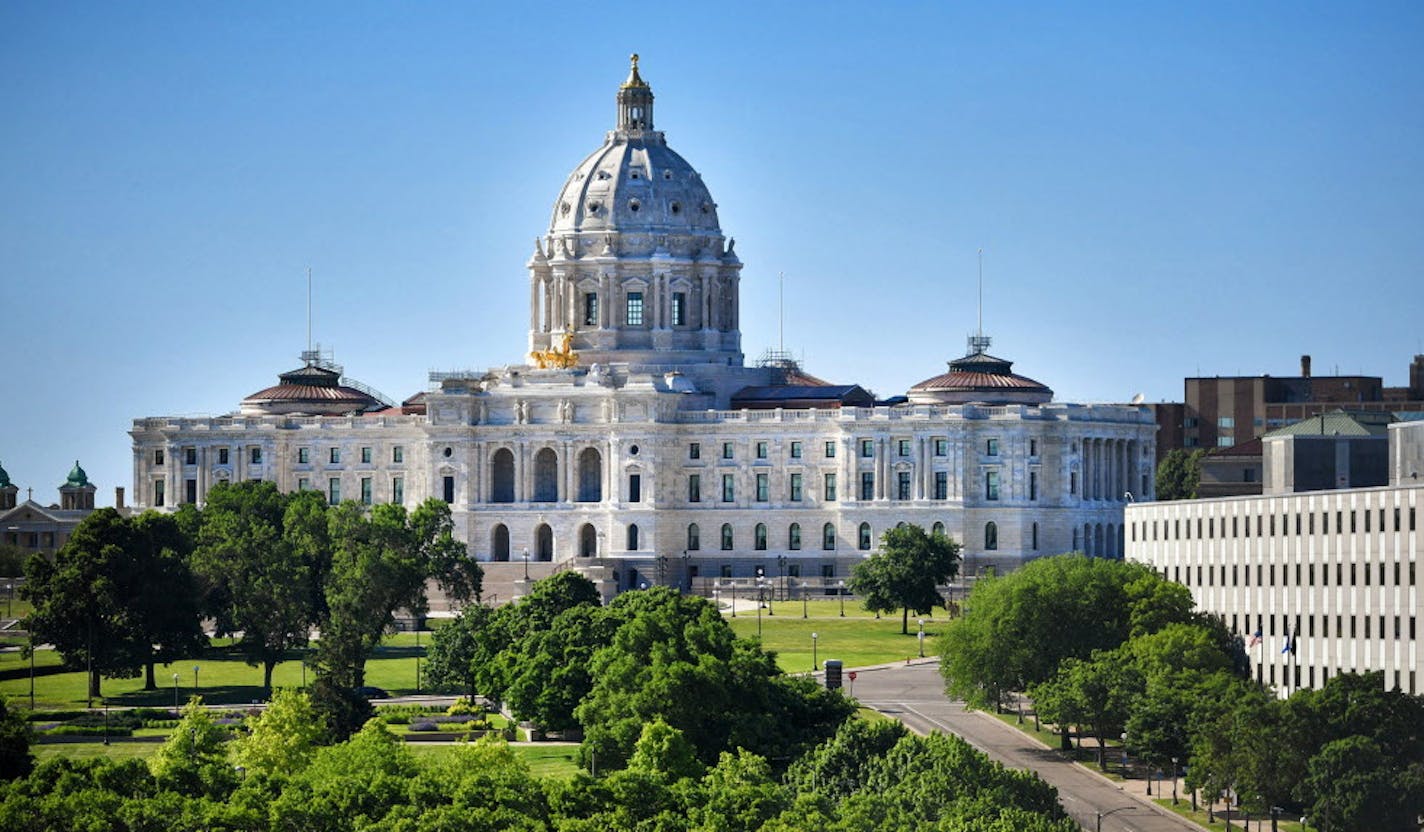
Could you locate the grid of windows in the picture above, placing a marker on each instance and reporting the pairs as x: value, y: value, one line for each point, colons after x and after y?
x: 679, y: 309
x: 635, y: 309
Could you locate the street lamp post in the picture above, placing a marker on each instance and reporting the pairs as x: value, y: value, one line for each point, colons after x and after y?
x: 717, y: 596
x: 761, y: 602
x: 733, y: 585
x: 840, y: 592
x: 1102, y: 815
x: 417, y: 655
x: 175, y: 691
x: 1124, y: 753
x: 9, y: 596
x: 526, y: 563
x: 106, y: 720
x: 815, y: 659
x: 687, y: 569
x: 195, y: 680
x: 780, y: 576
x: 921, y: 637
x: 1174, y: 781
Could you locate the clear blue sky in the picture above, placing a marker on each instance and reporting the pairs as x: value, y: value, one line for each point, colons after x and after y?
x: 1160, y: 190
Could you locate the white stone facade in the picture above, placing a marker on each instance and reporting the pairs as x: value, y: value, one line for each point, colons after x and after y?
x: 1337, y: 569
x: 632, y: 466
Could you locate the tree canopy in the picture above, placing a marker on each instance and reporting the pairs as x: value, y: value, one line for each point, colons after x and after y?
x: 1179, y: 474
x: 906, y: 573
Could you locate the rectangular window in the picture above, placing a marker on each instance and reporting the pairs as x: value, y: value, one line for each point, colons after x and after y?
x: 1035, y: 537
x: 333, y: 490
x: 679, y: 309
x: 303, y: 483
x: 222, y: 456
x: 902, y: 485
x: 761, y: 450
x: 1226, y: 422
x: 762, y: 489
x: 902, y: 446
x: 795, y: 490
x: 158, y: 457
x: 694, y: 488
x: 1033, y: 490
x: 795, y: 450
x: 831, y: 454
x: 635, y: 309
x: 867, y: 485
x: 256, y: 456
x: 1072, y: 482
x: 303, y: 456
x: 366, y: 490
x: 867, y: 448
x: 726, y: 450
x: 694, y: 450
x: 991, y: 485
x: 941, y: 446
x: 158, y: 491
x: 941, y: 486
x: 398, y: 490
x: 1225, y: 441
x: 830, y: 490
x: 365, y: 456
x: 991, y: 447
x: 190, y: 491
x: 334, y: 456
x: 398, y: 454
x: 729, y: 488
x: 1033, y: 447
x: 590, y: 309
x: 190, y: 456
x: 635, y: 488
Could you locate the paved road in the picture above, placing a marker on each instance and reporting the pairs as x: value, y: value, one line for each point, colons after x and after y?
x: 915, y: 696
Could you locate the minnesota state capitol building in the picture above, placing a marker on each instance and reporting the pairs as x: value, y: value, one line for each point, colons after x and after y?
x: 638, y: 447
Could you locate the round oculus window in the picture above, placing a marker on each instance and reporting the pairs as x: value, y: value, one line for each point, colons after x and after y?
x: 449, y: 451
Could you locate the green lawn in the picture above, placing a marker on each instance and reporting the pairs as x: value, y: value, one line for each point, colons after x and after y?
x: 857, y: 640
x: 223, y: 677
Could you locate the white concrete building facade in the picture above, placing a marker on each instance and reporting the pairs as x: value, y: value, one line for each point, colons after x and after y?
x: 638, y: 447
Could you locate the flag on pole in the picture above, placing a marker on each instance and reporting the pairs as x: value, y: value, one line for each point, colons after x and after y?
x: 1290, y: 644
x: 1255, y: 639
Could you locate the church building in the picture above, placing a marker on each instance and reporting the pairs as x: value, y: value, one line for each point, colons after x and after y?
x: 637, y: 446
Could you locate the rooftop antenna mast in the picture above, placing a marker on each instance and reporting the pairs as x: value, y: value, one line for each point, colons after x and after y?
x: 781, y: 311
x: 309, y: 311
x: 979, y: 342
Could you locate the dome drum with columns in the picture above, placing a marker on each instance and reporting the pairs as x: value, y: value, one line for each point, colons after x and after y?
x: 636, y: 447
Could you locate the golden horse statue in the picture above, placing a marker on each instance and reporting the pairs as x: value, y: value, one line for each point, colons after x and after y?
x: 561, y: 358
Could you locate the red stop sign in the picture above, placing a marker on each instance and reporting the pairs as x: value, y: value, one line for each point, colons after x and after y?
x: 851, y: 675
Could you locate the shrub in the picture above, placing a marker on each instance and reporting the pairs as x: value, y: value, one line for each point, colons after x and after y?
x: 423, y: 726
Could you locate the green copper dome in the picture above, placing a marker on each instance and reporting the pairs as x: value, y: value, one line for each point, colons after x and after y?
x: 4, y: 478
x: 77, y: 477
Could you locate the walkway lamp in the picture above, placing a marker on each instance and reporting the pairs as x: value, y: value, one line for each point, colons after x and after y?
x: 761, y: 602
x: 921, y: 636
x: 803, y: 599
x: 717, y: 595
x: 733, y: 585
x: 1102, y: 815
x: 1174, y: 781
x: 175, y: 691
x: 526, y: 563
x: 840, y: 591
x: 195, y: 680
x: 815, y: 663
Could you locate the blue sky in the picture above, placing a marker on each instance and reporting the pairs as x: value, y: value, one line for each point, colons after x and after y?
x: 1160, y: 190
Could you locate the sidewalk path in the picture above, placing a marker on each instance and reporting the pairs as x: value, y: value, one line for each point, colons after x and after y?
x: 914, y: 694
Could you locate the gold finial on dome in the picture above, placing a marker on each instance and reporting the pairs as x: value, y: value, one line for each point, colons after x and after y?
x: 634, y: 80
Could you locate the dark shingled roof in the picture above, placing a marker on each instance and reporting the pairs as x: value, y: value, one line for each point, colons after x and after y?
x: 802, y: 395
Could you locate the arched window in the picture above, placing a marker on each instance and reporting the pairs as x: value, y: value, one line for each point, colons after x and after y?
x: 1098, y: 549
x: 632, y: 537
x: 991, y: 536
x: 937, y: 528
x: 1111, y: 550
x: 863, y: 537
x: 590, y: 476
x: 793, y: 537
x: 694, y: 538
x: 544, y: 543
x: 502, y: 476
x: 726, y: 537
x: 588, y: 541
x: 499, y: 542
x: 828, y: 537
x: 546, y: 476
x: 760, y: 537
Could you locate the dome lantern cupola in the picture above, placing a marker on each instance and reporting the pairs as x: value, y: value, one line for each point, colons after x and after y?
x: 77, y: 493
x: 635, y: 102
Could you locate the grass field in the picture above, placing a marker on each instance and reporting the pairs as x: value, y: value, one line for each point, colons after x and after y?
x: 223, y: 677
x: 857, y: 640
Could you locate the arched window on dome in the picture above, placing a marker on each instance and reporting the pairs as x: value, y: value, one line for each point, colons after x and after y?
x: 991, y: 536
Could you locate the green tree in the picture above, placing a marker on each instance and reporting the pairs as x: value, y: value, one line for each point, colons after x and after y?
x: 117, y: 598
x: 193, y: 761
x: 906, y: 573
x: 15, y: 736
x: 1354, y: 788
x: 455, y: 648
x: 664, y: 751
x: 1098, y: 693
x: 255, y: 581
x: 1179, y: 474
x: 357, y: 782
x: 380, y: 563
x: 283, y: 738
x: 1017, y: 629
